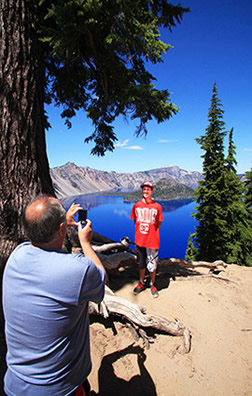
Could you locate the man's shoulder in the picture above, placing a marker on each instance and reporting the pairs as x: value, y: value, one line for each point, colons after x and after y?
x: 72, y: 258
x: 21, y: 249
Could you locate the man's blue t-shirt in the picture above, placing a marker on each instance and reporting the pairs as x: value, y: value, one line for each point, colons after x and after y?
x: 45, y: 301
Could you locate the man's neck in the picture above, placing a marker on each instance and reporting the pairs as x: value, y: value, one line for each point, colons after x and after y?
x: 53, y: 245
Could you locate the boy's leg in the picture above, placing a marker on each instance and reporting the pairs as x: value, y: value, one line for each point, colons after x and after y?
x: 142, y: 275
x: 153, y: 277
x: 152, y: 262
x: 141, y: 261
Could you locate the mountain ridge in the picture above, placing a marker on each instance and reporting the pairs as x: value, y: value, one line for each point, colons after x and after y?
x: 70, y: 179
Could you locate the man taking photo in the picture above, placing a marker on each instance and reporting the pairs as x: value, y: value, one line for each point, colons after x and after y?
x: 45, y: 300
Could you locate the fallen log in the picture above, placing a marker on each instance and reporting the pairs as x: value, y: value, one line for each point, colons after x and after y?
x: 136, y: 316
x: 116, y: 260
x: 209, y: 275
x: 119, y: 251
x: 191, y: 264
x: 103, y: 245
x: 123, y: 245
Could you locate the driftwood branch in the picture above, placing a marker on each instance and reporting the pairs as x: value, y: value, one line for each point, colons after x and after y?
x: 123, y: 245
x: 118, y: 254
x: 191, y: 264
x: 210, y: 275
x: 118, y: 260
x: 125, y: 258
x: 115, y: 305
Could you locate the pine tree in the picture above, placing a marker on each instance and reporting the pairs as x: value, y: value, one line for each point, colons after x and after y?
x: 248, y: 206
x: 190, y: 251
x: 239, y: 238
x: 210, y: 234
x: 223, y: 230
x: 248, y: 195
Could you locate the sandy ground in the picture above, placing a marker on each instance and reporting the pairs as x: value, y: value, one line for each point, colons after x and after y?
x: 218, y: 314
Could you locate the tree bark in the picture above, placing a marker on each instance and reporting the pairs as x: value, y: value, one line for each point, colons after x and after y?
x: 24, y: 171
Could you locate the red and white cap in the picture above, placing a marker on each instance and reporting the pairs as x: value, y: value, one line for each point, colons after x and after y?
x: 147, y: 183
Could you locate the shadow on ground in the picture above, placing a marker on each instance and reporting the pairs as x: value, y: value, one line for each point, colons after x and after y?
x: 118, y: 278
x: 110, y: 384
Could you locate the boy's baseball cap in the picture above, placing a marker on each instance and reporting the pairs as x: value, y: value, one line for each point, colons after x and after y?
x: 147, y: 183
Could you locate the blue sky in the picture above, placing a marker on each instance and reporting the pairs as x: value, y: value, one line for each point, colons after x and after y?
x: 213, y: 43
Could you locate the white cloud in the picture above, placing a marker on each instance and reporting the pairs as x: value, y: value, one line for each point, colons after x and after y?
x: 124, y: 145
x: 133, y: 148
x: 167, y: 140
x: 126, y: 141
x: 247, y: 149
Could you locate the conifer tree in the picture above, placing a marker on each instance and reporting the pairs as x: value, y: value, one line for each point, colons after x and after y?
x: 210, y: 234
x: 248, y: 195
x: 223, y: 230
x: 190, y: 251
x: 239, y: 238
x: 248, y: 206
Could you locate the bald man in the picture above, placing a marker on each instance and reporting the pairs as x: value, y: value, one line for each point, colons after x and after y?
x: 45, y: 299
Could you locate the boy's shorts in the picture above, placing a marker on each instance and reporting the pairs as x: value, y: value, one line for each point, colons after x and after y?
x: 147, y: 258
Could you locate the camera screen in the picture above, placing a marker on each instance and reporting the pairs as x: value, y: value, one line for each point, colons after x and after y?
x: 82, y: 215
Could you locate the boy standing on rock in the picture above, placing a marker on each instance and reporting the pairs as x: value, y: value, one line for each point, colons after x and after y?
x: 148, y: 217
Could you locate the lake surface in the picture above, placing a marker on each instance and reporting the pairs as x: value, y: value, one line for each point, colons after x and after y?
x: 110, y: 217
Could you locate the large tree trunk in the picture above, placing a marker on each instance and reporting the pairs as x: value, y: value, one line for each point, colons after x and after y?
x: 24, y: 170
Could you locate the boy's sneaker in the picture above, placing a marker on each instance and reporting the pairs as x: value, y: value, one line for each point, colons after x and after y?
x: 139, y: 288
x: 154, y: 291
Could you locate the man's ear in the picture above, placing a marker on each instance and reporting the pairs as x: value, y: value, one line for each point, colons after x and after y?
x: 62, y: 229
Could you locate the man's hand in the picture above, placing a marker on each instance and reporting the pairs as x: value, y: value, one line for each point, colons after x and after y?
x: 85, y: 233
x: 71, y: 213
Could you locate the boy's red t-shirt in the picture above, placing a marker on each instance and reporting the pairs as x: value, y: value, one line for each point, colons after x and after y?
x: 146, y: 217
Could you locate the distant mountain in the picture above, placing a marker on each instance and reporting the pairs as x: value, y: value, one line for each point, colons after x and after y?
x: 70, y: 179
x: 165, y: 190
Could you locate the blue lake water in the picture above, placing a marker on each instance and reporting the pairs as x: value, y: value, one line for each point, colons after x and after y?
x: 110, y: 217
